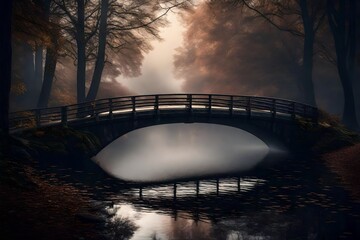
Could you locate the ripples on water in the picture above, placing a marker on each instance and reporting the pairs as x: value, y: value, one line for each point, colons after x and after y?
x: 296, y: 198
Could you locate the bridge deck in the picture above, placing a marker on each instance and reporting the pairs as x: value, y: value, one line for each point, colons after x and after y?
x: 131, y: 107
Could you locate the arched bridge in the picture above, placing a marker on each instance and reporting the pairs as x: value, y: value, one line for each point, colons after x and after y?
x: 109, y: 118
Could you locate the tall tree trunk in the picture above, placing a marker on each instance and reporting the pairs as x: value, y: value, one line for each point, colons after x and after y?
x: 49, y: 73
x: 50, y: 63
x: 39, y: 69
x: 81, y: 54
x: 26, y: 100
x: 5, y: 63
x: 337, y: 21
x: 100, y: 60
x: 356, y: 70
x: 308, y: 51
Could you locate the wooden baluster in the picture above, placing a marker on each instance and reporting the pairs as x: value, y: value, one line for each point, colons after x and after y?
x: 64, y: 117
x: 111, y: 114
x: 175, y: 191
x: 197, y: 188
x: 248, y: 107
x: 38, y: 117
x: 293, y: 114
x: 133, y: 102
x: 156, y: 107
x: 209, y: 104
x: 273, y: 109
x: 189, y: 99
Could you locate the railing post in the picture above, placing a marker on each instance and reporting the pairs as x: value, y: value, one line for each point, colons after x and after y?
x: 293, y: 115
x: 140, y: 193
x: 209, y: 104
x: 64, y: 115
x: 316, y: 115
x: 248, y: 107
x: 95, y: 112
x: 273, y: 109
x: 174, y: 191
x: 111, y: 115
x: 156, y: 107
x: 231, y: 108
x: 38, y: 117
x: 189, y: 98
x: 197, y: 188
x: 133, y: 102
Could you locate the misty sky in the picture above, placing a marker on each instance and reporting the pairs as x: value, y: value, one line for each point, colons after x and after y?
x: 208, y: 52
x: 158, y: 67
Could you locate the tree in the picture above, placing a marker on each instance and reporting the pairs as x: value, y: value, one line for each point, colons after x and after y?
x: 52, y: 52
x: 342, y: 22
x: 5, y: 63
x: 97, y: 28
x: 302, y: 18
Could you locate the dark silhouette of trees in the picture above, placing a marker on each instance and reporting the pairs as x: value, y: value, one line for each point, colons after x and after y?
x: 302, y: 18
x: 5, y: 63
x: 341, y: 16
x: 342, y: 22
x: 96, y: 29
x: 52, y: 53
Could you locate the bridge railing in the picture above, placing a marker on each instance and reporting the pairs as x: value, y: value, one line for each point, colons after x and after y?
x: 155, y: 104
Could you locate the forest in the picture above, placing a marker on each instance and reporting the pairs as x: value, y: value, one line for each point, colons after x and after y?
x: 260, y: 140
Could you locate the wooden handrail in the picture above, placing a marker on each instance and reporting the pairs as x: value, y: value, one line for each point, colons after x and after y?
x: 231, y: 104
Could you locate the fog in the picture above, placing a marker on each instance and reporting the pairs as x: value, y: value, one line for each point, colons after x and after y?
x: 171, y: 151
x: 228, y: 50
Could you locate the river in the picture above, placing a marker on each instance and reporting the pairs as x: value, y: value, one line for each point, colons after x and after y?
x: 205, y: 181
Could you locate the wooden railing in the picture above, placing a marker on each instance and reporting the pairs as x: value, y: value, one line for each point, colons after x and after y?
x: 131, y: 106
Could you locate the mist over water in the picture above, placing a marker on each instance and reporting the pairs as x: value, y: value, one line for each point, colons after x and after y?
x: 171, y: 151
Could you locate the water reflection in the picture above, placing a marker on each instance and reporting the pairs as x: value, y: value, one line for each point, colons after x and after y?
x: 173, y: 151
x: 296, y: 199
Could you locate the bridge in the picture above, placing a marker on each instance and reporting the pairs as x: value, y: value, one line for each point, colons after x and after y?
x: 110, y: 118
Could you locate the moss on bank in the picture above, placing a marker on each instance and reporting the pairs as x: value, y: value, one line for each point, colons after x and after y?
x: 62, y: 141
x: 327, y: 135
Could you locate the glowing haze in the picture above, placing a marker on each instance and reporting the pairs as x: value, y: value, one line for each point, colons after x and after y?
x: 171, y: 151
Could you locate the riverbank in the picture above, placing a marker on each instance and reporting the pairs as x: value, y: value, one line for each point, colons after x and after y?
x: 32, y: 208
x: 345, y: 162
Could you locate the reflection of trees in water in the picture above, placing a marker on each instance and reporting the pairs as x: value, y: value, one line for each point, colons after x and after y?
x: 120, y: 229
